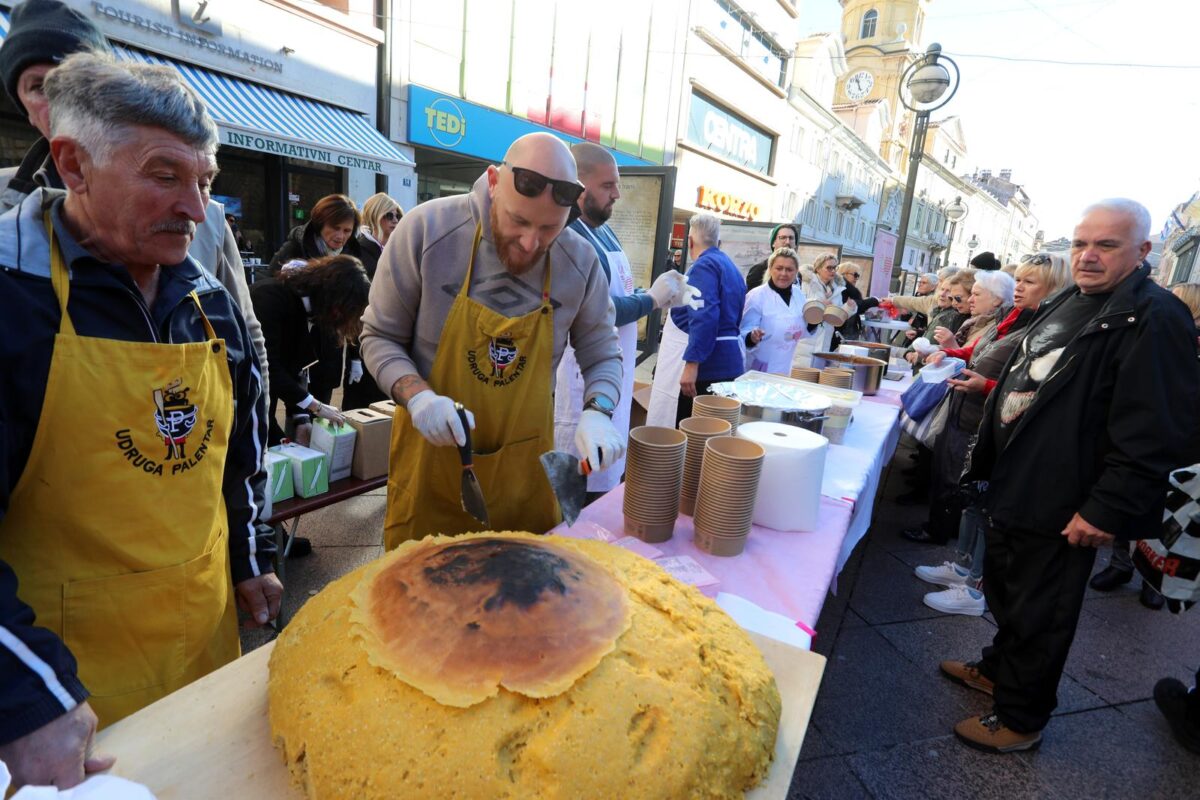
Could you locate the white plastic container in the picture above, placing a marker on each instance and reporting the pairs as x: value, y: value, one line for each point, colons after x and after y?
x: 948, y: 368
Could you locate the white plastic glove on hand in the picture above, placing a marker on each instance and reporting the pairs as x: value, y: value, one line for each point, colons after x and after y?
x: 356, y: 370
x: 329, y: 414
x: 667, y: 290
x: 434, y: 418
x: 691, y: 296
x: 598, y: 440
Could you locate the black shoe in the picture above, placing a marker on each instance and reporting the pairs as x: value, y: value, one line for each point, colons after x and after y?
x: 301, y: 547
x: 920, y: 536
x: 1172, y: 699
x: 1110, y: 578
x: 1150, y: 598
x: 916, y: 497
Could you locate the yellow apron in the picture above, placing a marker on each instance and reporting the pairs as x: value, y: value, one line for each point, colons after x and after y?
x: 117, y: 529
x: 500, y: 369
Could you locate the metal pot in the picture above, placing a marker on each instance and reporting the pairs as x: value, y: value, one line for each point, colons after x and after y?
x: 809, y: 420
x: 874, y: 349
x: 868, y: 372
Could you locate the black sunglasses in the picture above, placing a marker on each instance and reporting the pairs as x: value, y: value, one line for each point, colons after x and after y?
x: 957, y: 298
x: 392, y: 216
x: 1037, y: 259
x: 532, y: 184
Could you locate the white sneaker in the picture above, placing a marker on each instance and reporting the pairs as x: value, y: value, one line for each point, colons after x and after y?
x: 946, y: 574
x: 957, y: 600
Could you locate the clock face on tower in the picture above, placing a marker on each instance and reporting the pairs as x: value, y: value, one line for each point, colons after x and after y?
x: 859, y: 85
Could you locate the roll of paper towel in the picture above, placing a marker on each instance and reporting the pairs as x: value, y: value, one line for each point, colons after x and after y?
x: 789, y: 491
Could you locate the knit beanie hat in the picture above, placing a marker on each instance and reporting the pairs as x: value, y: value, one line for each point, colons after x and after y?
x: 775, y: 232
x: 43, y: 32
x: 986, y: 261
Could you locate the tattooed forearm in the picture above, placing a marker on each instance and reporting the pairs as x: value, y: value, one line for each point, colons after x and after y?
x: 406, y: 387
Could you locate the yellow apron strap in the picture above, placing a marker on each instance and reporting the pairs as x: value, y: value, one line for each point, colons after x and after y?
x: 208, y: 328
x: 465, y: 290
x: 60, y: 278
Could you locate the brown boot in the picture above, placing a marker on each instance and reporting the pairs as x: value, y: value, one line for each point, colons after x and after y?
x: 966, y: 673
x: 989, y: 734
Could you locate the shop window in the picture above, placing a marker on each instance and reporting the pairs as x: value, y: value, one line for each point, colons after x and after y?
x: 825, y: 218
x: 16, y: 134
x: 869, y: 22
x: 1184, y: 265
x: 241, y: 186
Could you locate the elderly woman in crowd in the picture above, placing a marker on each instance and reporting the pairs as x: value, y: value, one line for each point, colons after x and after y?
x: 820, y: 282
x: 773, y: 317
x: 1038, y: 277
x: 850, y: 273
x: 380, y: 214
x: 991, y: 298
x: 943, y: 315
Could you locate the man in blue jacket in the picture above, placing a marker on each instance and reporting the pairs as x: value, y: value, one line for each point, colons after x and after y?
x: 131, y: 425
x: 714, y: 351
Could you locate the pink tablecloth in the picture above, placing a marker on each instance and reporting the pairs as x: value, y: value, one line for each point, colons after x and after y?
x: 788, y: 573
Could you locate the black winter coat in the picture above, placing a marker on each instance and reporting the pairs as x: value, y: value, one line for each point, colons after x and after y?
x: 756, y: 275
x: 1116, y: 415
x: 302, y: 243
x: 290, y: 344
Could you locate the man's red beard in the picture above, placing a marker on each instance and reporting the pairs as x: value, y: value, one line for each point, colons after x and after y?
x: 509, y: 250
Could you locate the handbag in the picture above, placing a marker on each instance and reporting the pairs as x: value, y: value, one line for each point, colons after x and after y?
x: 921, y: 397
x: 929, y: 427
x: 1171, y: 565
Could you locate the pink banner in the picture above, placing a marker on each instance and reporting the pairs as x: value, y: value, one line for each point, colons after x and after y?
x: 881, y: 269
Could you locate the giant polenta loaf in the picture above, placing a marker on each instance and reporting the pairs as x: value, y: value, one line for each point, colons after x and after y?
x: 507, y: 665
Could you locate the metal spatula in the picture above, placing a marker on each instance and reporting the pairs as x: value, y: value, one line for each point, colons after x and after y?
x: 568, y: 478
x: 472, y: 496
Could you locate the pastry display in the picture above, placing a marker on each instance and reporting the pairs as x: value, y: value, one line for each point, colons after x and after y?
x: 508, y: 665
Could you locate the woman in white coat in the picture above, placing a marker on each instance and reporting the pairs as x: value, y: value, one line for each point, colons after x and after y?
x: 773, y: 318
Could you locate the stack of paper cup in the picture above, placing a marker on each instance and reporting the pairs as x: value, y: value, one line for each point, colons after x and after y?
x: 728, y: 489
x: 726, y: 408
x: 836, y: 424
x: 653, y: 476
x: 789, y: 491
x: 838, y: 378
x: 698, y: 431
x: 809, y: 374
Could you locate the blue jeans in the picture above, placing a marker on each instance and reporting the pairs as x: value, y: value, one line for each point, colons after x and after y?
x: 971, y: 543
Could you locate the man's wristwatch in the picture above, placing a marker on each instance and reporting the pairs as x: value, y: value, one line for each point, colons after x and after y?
x: 601, y: 403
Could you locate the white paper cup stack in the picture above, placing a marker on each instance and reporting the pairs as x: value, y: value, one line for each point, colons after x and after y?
x: 838, y: 378
x: 728, y: 489
x: 835, y: 426
x: 698, y: 431
x: 726, y: 408
x: 809, y: 374
x: 653, y: 477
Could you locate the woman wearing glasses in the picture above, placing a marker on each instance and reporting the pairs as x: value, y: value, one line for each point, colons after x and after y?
x: 380, y: 214
x: 820, y: 282
x: 1037, y: 277
x: 850, y: 272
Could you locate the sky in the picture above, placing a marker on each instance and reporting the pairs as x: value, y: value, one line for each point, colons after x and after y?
x: 1071, y: 133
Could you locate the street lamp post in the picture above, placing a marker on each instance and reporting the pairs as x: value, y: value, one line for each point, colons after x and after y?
x: 923, y: 89
x: 972, y: 243
x: 955, y: 212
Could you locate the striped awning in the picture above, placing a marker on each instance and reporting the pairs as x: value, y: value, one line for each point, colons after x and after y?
x: 249, y: 108
x: 269, y: 120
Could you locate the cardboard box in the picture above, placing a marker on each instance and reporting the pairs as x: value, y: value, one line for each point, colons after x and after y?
x: 387, y: 407
x: 373, y: 447
x: 337, y: 442
x: 310, y: 468
x: 640, y: 405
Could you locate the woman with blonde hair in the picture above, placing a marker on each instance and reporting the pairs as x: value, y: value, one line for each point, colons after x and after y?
x: 773, y: 316
x: 380, y: 214
x: 1189, y: 293
x: 850, y: 272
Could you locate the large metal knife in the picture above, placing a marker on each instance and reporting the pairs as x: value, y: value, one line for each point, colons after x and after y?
x: 472, y: 495
x: 568, y: 478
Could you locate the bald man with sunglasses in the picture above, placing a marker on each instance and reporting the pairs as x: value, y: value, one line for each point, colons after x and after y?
x: 474, y: 300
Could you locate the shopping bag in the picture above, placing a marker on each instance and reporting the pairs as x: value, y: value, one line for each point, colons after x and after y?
x: 927, y: 429
x: 1171, y: 565
x: 920, y: 398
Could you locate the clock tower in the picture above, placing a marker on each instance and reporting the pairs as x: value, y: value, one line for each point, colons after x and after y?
x: 882, y: 38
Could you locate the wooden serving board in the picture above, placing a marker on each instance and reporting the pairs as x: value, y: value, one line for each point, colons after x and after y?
x: 212, y: 738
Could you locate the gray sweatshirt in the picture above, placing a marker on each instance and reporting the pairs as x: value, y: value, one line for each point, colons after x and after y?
x: 422, y: 269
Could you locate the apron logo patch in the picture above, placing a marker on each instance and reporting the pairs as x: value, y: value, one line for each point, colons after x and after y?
x: 174, y: 420
x: 505, y: 362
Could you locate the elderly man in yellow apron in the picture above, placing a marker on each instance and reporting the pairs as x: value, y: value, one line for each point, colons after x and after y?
x: 132, y: 425
x: 474, y: 301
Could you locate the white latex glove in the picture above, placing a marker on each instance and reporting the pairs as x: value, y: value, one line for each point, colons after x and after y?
x: 667, y: 290
x: 690, y: 296
x: 850, y: 307
x: 598, y: 440
x: 356, y: 370
x: 295, y: 263
x: 435, y: 418
x: 330, y: 414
